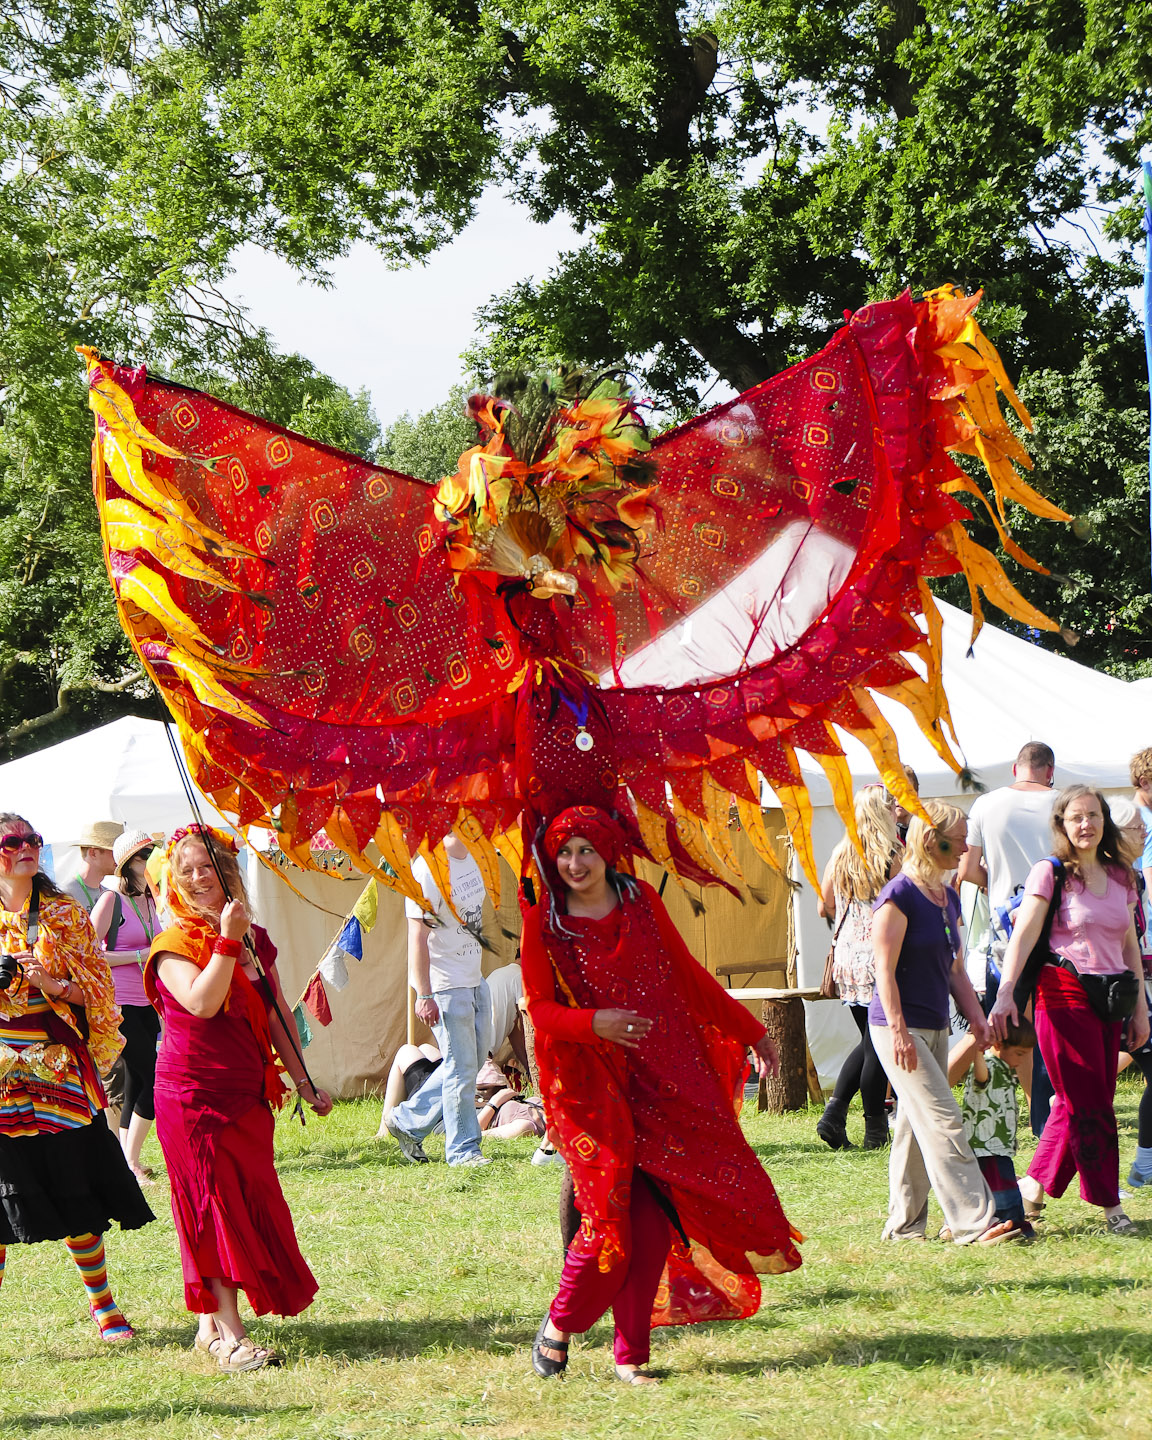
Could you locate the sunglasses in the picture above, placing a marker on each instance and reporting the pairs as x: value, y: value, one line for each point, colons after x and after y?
x: 13, y: 844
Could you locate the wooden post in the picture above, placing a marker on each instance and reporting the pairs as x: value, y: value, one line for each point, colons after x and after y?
x: 530, y: 1045
x: 784, y: 1021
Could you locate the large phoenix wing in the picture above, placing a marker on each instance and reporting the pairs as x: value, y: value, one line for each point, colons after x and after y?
x: 329, y: 668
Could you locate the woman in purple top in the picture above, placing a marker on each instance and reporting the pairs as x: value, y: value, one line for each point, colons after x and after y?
x: 1093, y: 934
x: 127, y: 923
x: 916, y: 939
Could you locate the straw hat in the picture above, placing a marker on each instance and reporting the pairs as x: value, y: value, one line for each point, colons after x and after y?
x: 128, y: 846
x: 100, y: 835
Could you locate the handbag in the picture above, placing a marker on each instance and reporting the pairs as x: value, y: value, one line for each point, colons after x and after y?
x: 1041, y: 955
x: 828, y: 987
x: 1113, y: 997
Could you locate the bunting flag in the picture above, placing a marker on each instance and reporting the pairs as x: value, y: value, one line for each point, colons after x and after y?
x: 580, y: 614
x: 348, y: 945
x: 315, y: 1001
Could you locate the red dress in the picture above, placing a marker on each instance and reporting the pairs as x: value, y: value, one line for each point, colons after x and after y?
x: 669, y: 1108
x: 215, y: 1126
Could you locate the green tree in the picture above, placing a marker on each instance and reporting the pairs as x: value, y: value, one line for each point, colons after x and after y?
x: 78, y: 265
x: 429, y: 445
x: 741, y: 171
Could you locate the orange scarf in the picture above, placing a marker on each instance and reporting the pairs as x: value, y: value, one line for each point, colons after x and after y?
x: 193, y: 939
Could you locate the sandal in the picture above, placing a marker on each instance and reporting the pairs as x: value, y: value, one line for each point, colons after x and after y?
x: 204, y: 1346
x: 1001, y: 1231
x: 541, y: 1363
x: 636, y: 1377
x: 235, y: 1356
x: 1121, y: 1224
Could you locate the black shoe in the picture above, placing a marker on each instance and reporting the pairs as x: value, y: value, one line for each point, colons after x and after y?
x: 876, y: 1134
x: 830, y: 1128
x: 540, y: 1362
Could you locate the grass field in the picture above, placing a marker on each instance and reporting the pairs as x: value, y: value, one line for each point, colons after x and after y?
x: 433, y: 1282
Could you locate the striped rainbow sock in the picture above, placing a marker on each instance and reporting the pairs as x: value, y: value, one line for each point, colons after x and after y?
x: 88, y: 1253
x: 3, y: 1258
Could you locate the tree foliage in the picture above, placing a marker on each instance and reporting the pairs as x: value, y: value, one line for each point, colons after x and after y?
x: 740, y: 171
x: 80, y: 263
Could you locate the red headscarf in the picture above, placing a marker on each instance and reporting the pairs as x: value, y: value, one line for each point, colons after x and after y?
x: 594, y: 825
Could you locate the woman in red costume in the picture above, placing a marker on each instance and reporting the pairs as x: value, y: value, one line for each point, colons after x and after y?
x: 216, y: 1083
x: 642, y: 1059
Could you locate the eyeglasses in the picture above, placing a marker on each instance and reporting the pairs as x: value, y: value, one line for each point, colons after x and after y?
x: 13, y: 844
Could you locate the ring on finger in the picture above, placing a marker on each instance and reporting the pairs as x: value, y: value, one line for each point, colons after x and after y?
x: 629, y: 1029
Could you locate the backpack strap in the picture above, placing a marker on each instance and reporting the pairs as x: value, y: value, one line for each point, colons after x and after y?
x: 1042, y: 951
x: 117, y: 921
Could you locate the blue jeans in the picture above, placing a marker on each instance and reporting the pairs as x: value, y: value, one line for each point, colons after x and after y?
x: 464, y: 1039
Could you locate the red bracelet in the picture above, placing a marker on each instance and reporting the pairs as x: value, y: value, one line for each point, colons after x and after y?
x: 224, y: 946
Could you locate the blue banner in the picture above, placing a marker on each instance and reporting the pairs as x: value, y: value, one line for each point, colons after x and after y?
x: 1148, y: 319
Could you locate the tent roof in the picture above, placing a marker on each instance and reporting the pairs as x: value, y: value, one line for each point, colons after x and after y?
x: 123, y: 771
x: 1006, y: 693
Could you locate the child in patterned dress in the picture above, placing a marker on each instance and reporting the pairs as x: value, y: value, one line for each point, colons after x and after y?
x: 990, y: 1113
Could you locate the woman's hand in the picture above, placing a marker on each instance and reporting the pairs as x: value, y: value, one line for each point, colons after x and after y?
x: 319, y: 1100
x: 1137, y: 1030
x: 234, y: 920
x: 47, y: 983
x: 904, y: 1048
x: 621, y: 1027
x: 1003, y: 1012
x: 766, y: 1057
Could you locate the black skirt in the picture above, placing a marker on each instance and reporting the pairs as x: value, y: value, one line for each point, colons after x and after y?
x: 74, y: 1182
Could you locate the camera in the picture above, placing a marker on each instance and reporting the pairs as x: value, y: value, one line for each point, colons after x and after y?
x: 9, y: 970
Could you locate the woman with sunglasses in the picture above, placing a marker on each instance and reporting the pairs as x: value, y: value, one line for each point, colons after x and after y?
x: 62, y: 1174
x: 916, y: 942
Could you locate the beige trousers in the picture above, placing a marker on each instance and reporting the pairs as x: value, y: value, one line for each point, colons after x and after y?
x: 929, y: 1148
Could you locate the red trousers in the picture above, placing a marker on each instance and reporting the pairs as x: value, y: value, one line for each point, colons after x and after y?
x: 1080, y: 1051
x: 629, y: 1288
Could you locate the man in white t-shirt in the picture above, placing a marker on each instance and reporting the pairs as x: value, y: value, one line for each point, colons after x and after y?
x: 1010, y: 829
x: 452, y: 999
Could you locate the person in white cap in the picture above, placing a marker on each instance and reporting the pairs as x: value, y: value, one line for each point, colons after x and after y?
x: 97, y: 862
x: 126, y: 921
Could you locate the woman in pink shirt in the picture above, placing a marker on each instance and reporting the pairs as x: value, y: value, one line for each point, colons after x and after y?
x: 127, y: 923
x: 1093, y: 935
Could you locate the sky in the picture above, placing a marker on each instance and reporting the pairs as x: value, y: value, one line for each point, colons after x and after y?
x: 399, y: 333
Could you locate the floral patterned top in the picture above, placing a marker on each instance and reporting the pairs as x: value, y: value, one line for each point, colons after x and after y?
x: 989, y: 1110
x: 68, y: 949
x: 853, y: 965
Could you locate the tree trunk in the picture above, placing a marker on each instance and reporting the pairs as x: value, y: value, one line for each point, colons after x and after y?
x: 784, y: 1021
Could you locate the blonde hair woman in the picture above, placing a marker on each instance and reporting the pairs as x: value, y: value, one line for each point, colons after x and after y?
x: 916, y: 942
x: 852, y: 880
x: 216, y: 1084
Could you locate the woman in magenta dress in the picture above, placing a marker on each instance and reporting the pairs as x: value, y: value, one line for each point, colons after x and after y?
x: 642, y: 1060
x: 217, y: 1082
